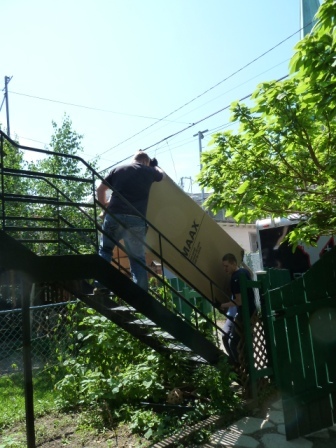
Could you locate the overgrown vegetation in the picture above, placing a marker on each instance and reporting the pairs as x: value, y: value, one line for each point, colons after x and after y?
x: 113, y: 374
x: 112, y: 379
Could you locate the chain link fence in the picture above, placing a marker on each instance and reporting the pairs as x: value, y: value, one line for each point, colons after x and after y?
x: 51, y: 332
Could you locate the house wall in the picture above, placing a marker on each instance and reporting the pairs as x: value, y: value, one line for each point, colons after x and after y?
x: 244, y: 235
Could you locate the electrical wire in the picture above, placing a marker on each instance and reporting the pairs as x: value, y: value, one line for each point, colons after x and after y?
x: 205, y: 92
x: 186, y: 128
x: 227, y: 91
x: 158, y: 120
x: 171, y: 113
x: 171, y: 155
x: 94, y: 108
x: 237, y: 86
x: 174, y: 111
x: 162, y: 149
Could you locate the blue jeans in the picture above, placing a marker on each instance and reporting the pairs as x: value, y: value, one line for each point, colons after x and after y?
x: 131, y: 229
x: 231, y: 340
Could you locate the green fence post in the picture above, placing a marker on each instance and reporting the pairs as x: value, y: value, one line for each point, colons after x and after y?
x: 248, y: 334
x: 267, y: 320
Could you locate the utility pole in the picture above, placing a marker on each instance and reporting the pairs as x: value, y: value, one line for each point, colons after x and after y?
x: 7, y: 79
x: 308, y: 10
x: 182, y: 183
x: 200, y: 137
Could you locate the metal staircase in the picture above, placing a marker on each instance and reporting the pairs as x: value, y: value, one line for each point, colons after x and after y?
x: 51, y: 234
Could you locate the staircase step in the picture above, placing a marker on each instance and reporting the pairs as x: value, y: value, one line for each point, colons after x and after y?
x: 122, y: 308
x: 100, y: 296
x: 198, y: 359
x: 179, y: 347
x: 163, y: 334
x: 144, y: 322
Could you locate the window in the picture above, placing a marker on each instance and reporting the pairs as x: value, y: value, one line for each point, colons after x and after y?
x: 253, y: 242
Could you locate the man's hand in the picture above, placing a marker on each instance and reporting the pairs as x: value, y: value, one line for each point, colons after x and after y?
x: 153, y: 162
x: 225, y: 306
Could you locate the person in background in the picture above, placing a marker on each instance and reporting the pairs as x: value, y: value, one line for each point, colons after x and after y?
x: 125, y: 220
x: 233, y: 308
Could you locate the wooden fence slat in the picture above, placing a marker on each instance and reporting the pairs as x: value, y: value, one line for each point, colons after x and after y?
x: 302, y: 317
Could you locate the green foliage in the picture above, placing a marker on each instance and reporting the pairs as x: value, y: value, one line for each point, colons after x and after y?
x: 162, y: 292
x: 71, y: 189
x: 10, y: 442
x: 106, y: 374
x: 66, y: 144
x: 108, y: 369
x: 282, y: 160
x: 146, y: 422
x: 216, y: 389
x: 12, y: 158
x: 62, y: 190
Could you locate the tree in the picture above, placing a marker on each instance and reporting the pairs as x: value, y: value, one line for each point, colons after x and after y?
x: 64, y: 141
x: 63, y: 194
x: 11, y: 158
x: 282, y: 160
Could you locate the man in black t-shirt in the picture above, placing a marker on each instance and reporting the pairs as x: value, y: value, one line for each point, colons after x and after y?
x: 127, y: 208
x: 234, y: 308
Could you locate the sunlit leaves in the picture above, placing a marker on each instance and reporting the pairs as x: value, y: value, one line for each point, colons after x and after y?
x: 243, y: 187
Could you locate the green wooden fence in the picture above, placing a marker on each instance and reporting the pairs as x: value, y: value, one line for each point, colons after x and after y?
x: 300, y: 323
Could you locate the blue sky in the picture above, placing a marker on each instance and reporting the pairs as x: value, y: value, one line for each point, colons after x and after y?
x: 129, y: 63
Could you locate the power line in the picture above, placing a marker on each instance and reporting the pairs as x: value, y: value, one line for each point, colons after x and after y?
x: 186, y: 128
x: 171, y: 113
x: 239, y: 85
x: 205, y: 92
x: 211, y: 130
x: 153, y: 118
x: 32, y: 140
x: 92, y: 108
x: 171, y: 155
x: 230, y: 90
x: 187, y: 140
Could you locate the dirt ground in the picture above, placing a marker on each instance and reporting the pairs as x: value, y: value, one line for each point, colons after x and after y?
x: 71, y: 430
x: 66, y: 430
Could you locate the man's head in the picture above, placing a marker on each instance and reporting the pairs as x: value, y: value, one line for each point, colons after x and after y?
x: 141, y: 157
x: 229, y: 262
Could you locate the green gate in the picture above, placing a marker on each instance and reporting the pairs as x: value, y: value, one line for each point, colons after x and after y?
x: 301, y: 323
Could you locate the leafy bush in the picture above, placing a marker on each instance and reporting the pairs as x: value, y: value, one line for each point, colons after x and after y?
x: 107, y: 367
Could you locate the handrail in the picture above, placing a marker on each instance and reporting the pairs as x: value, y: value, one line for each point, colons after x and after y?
x: 157, y: 231
x: 46, y: 177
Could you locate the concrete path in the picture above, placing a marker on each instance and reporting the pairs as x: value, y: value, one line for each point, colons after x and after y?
x: 251, y: 432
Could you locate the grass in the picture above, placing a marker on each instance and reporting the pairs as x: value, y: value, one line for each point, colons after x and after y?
x: 12, y: 397
x: 52, y: 427
x: 12, y: 404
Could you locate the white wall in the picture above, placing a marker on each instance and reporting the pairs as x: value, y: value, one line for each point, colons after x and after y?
x: 241, y: 234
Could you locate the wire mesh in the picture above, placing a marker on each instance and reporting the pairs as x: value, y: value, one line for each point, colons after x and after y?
x: 50, y: 334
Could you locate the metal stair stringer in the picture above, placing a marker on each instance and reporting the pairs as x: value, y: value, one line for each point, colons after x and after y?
x: 67, y: 268
x: 70, y: 267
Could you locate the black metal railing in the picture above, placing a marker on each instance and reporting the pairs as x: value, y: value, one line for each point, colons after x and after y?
x: 38, y: 210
